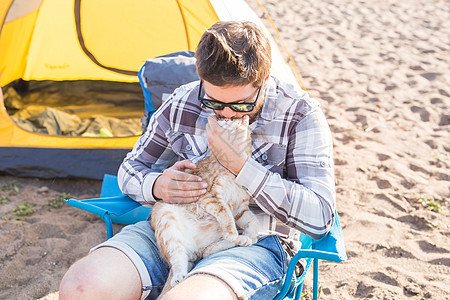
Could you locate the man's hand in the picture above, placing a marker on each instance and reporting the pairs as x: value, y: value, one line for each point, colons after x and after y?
x: 229, y: 146
x: 177, y: 186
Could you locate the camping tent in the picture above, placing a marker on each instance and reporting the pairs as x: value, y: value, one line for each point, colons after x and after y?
x: 100, y: 42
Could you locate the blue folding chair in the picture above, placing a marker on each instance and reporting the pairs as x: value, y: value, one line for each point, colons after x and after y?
x: 115, y: 207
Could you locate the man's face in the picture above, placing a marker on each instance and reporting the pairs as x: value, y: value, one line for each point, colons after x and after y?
x: 235, y: 94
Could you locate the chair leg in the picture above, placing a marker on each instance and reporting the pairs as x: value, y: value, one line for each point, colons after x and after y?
x: 109, y: 228
x: 298, y: 292
x: 316, y: 279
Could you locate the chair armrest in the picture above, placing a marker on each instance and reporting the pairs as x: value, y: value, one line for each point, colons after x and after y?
x: 117, y: 205
x: 332, y: 243
x: 306, y: 253
x: 86, y: 206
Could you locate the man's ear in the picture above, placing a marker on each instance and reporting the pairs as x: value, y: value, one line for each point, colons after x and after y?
x: 265, y: 81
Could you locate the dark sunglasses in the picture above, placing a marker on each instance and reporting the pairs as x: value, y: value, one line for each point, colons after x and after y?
x: 236, y: 106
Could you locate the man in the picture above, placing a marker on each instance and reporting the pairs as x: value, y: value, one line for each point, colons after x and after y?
x: 289, y: 176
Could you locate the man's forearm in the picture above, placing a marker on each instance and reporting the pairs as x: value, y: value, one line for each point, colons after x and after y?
x: 290, y: 202
x: 137, y: 182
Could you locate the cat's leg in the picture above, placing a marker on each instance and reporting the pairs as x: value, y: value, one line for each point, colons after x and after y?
x: 218, y: 246
x: 225, y: 218
x: 172, y: 280
x: 223, y: 215
x: 180, y: 266
x: 172, y: 244
x: 247, y: 221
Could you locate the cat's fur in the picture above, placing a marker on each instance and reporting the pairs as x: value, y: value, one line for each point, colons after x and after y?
x: 187, y: 232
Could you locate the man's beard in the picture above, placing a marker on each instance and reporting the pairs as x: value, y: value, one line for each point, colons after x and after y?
x: 259, y: 108
x: 256, y: 115
x: 252, y: 118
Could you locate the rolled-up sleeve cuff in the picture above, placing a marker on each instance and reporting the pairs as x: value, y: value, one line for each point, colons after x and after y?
x: 253, y: 177
x: 147, y: 188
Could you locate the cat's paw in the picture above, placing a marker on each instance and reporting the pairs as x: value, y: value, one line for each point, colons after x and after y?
x: 252, y: 230
x: 231, y: 236
x: 243, y: 240
x: 176, y: 279
x: 253, y: 238
x: 251, y: 234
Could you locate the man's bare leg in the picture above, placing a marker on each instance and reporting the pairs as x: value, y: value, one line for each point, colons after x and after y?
x: 106, y: 273
x: 201, y: 287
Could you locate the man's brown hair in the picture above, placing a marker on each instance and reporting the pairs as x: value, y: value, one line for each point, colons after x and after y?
x: 233, y: 53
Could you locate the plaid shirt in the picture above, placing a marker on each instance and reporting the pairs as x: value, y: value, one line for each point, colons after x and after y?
x: 290, y: 174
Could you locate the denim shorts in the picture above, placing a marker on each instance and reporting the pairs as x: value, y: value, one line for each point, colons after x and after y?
x: 254, y: 272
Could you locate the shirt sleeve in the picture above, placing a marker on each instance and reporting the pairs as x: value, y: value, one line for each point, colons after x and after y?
x: 306, y: 199
x: 151, y: 154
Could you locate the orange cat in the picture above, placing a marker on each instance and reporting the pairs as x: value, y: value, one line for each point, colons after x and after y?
x: 187, y: 232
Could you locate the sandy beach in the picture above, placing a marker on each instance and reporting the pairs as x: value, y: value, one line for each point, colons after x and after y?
x: 381, y: 72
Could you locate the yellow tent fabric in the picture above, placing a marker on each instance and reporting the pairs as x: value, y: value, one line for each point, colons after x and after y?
x: 95, y: 40
x: 103, y: 40
x: 68, y: 40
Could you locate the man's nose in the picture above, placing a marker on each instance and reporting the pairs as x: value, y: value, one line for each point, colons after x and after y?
x: 228, y: 112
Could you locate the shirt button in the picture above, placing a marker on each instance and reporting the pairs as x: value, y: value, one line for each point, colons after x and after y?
x: 264, y: 156
x: 322, y: 164
x: 188, y: 147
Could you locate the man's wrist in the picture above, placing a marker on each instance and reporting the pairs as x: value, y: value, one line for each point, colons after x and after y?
x: 252, y: 176
x: 237, y: 166
x: 154, y: 194
x: 147, y: 187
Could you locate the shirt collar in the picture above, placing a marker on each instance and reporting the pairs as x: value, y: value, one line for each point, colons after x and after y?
x: 279, y: 97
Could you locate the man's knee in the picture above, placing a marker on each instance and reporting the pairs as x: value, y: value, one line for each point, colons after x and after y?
x: 106, y: 273
x: 80, y: 282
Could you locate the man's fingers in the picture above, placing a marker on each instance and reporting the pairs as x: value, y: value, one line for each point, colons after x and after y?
x: 186, y: 193
x: 184, y: 164
x: 181, y: 175
x: 184, y: 196
x: 186, y: 186
x: 182, y: 200
x: 186, y: 177
x: 172, y: 190
x: 212, y: 125
x: 212, y: 119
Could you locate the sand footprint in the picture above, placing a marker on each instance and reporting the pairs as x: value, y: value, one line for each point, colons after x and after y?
x: 381, y: 277
x: 442, y: 262
x: 445, y: 120
x: 444, y: 93
x: 397, y: 252
x: 383, y: 157
x: 362, y: 291
x: 12, y: 238
x: 47, y: 231
x: 395, y: 201
x: 416, y: 222
x: 382, y: 183
x: 423, y: 113
x: 431, y: 248
x: 439, y: 266
x: 430, y: 75
x: 416, y: 168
